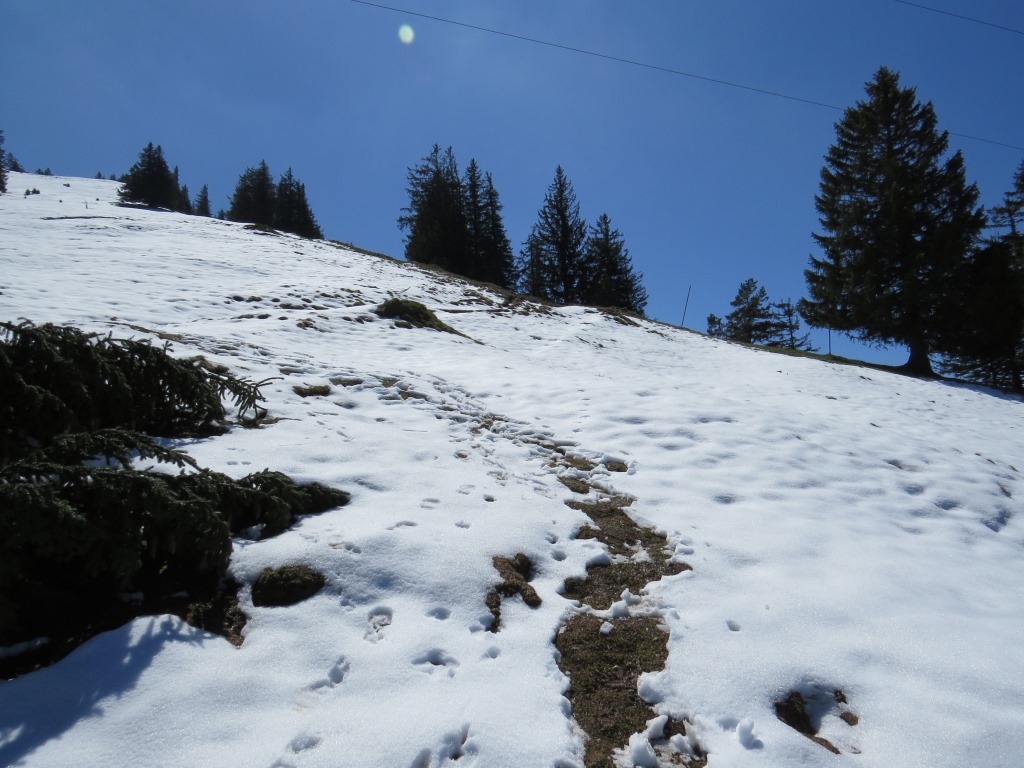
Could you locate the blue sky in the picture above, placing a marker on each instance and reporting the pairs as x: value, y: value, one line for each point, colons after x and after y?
x: 709, y: 184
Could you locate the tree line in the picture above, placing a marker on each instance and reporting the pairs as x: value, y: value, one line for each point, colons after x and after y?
x: 257, y: 199
x: 908, y: 256
x: 454, y: 221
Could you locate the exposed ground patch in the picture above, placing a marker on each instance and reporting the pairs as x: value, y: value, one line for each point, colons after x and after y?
x: 603, y: 657
x: 805, y: 714
x: 516, y: 573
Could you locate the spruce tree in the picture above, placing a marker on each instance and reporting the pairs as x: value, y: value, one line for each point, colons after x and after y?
x: 786, y: 333
x: 608, y: 277
x: 255, y: 197
x: 986, y: 343
x: 752, y: 320
x: 150, y: 181
x: 554, y: 255
x: 3, y: 165
x: 473, y: 208
x: 201, y: 206
x: 1010, y: 213
x: 496, y: 249
x: 435, y: 217
x: 898, y: 222
x: 488, y: 250
x: 293, y: 213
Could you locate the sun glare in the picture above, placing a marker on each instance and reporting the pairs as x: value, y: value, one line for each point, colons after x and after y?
x: 405, y: 34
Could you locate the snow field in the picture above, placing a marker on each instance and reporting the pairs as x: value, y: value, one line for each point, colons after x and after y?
x: 848, y: 529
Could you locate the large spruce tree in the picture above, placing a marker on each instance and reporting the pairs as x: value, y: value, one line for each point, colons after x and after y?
x: 435, y: 218
x: 608, y: 277
x: 151, y: 182
x: 554, y: 254
x: 898, y: 221
x: 255, y: 197
x: 292, y: 213
x: 986, y: 344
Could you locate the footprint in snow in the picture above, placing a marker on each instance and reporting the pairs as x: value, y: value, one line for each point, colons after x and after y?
x: 402, y: 524
x: 441, y: 614
x: 429, y: 503
x: 335, y: 675
x: 378, y: 618
x: 435, y: 659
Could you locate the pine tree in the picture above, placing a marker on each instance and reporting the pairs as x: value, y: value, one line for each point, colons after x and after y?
x: 255, y: 197
x: 609, y: 277
x: 752, y: 320
x: 435, y: 218
x: 716, y: 327
x: 473, y: 208
x: 488, y: 250
x: 898, y: 223
x: 3, y: 165
x: 150, y: 181
x: 293, y: 213
x: 987, y: 344
x: 496, y: 249
x: 787, y: 331
x: 1010, y: 213
x: 201, y: 206
x: 184, y: 201
x: 554, y: 255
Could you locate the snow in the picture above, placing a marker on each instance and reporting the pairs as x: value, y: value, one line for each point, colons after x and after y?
x: 848, y: 528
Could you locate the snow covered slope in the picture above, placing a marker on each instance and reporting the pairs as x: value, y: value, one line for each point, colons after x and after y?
x: 848, y: 529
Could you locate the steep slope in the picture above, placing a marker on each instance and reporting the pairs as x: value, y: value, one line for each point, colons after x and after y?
x: 848, y: 530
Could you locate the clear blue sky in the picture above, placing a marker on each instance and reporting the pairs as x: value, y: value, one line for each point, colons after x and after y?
x: 709, y: 184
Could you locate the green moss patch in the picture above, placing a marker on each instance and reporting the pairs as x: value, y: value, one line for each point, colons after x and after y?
x: 414, y: 315
x: 313, y: 390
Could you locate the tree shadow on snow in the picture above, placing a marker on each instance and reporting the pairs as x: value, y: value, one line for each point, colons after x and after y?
x: 42, y: 706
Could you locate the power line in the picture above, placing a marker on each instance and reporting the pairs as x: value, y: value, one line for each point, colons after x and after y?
x: 658, y: 68
x: 960, y: 16
x: 609, y: 57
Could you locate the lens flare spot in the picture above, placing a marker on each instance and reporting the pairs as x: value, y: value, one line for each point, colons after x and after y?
x: 405, y: 34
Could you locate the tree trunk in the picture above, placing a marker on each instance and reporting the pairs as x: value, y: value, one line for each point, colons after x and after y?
x: 919, y: 363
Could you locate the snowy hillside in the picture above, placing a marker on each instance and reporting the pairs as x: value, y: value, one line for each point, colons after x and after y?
x: 848, y: 530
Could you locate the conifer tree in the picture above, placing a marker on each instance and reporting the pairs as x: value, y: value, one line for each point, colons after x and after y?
x: 255, y: 197
x: 752, y: 320
x: 435, y: 218
x: 488, y: 250
x: 898, y: 222
x: 150, y: 181
x: 1010, y: 213
x: 496, y: 249
x: 553, y: 256
x: 787, y: 328
x: 293, y: 213
x: 13, y: 164
x: 986, y: 344
x: 3, y: 165
x: 201, y: 206
x: 608, y: 277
